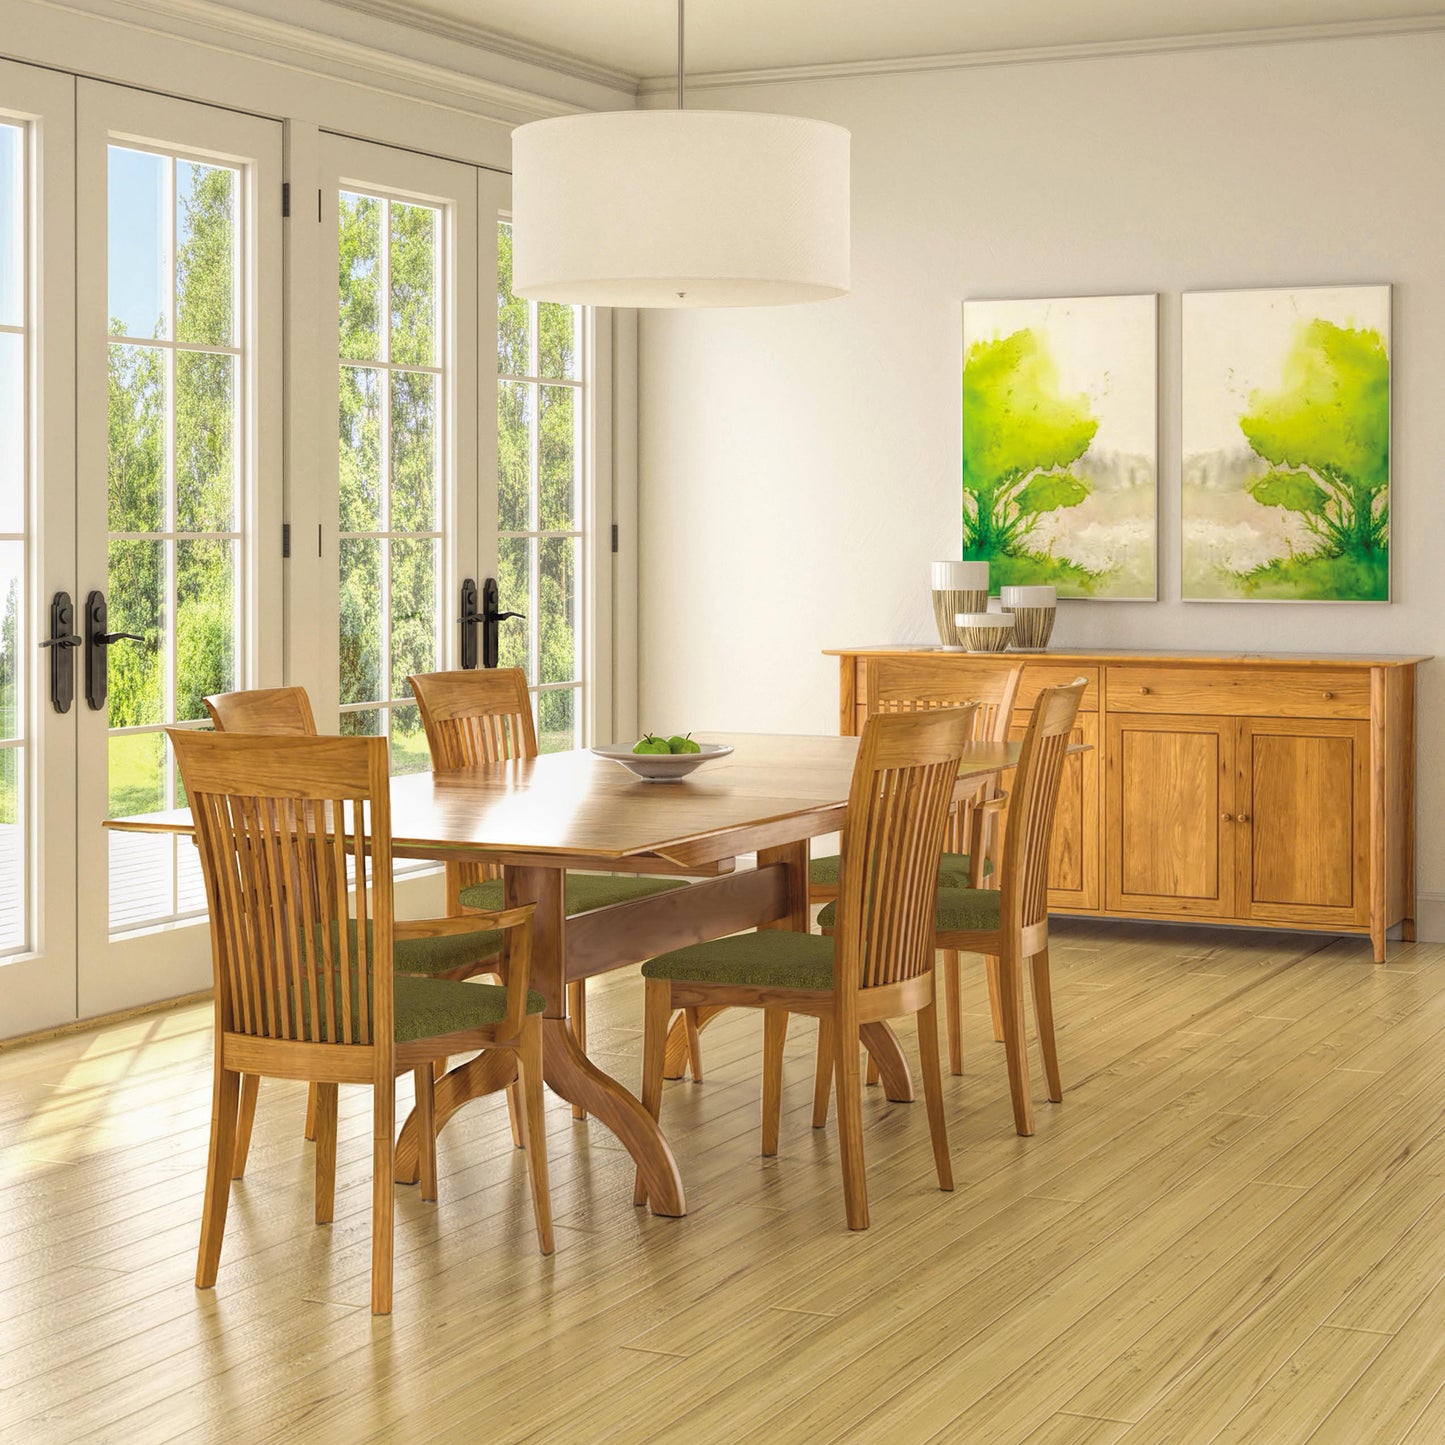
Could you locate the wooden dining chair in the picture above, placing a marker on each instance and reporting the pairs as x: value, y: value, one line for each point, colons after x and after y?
x: 880, y: 963
x: 1011, y: 922
x: 305, y: 979
x: 286, y: 712
x: 485, y: 716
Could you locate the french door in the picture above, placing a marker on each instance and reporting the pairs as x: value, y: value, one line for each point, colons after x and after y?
x: 177, y: 399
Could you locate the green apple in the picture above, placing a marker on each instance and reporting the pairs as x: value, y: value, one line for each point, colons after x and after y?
x: 649, y: 745
x: 676, y: 744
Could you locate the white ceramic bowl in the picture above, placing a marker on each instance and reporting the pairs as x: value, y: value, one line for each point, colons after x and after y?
x: 985, y: 631
x: 663, y: 767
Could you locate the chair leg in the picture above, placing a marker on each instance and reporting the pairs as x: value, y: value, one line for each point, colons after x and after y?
x: 577, y: 1012
x: 534, y: 1124
x: 995, y: 1004
x: 933, y: 1091
x: 823, y: 1073
x: 426, y: 1121
x: 225, y: 1099
x: 850, y: 1124
x: 326, y: 1102
x: 250, y: 1087
x: 514, y: 1115
x: 1015, y: 1043
x: 1044, y: 1014
x: 871, y: 1073
x: 383, y: 1202
x: 953, y: 1002
x: 311, y: 1111
x: 657, y: 1015
x: 694, y: 1043
x: 775, y: 1034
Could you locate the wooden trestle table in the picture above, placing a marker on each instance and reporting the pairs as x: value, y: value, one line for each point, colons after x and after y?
x: 542, y: 816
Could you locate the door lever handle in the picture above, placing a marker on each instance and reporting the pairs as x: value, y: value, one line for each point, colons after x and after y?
x: 62, y: 642
x: 106, y: 638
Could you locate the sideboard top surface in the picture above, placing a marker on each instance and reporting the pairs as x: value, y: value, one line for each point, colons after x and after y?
x: 1134, y: 654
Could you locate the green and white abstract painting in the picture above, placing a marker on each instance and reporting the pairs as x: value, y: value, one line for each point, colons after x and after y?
x: 1286, y: 433
x: 1061, y: 443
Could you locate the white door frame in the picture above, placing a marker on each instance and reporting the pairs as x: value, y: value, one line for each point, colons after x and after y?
x: 173, y: 959
x: 38, y: 987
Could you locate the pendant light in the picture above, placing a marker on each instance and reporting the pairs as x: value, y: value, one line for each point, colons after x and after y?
x: 680, y: 208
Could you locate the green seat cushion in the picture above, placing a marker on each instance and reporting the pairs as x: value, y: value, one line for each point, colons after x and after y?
x: 433, y: 956
x: 426, y: 1007
x: 584, y: 891
x: 952, y: 870
x: 960, y: 910
x: 772, y: 958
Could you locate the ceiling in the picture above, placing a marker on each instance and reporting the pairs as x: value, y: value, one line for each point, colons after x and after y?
x: 638, y: 39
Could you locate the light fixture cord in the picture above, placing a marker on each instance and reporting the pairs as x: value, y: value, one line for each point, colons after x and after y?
x: 680, y: 4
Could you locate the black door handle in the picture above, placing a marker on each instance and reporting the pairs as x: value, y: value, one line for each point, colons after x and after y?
x: 492, y: 618
x: 97, y: 638
x: 62, y: 642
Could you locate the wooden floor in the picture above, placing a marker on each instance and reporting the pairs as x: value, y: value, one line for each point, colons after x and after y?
x: 1232, y: 1229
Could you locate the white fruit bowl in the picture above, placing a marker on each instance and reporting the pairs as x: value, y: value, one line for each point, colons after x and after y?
x: 663, y: 767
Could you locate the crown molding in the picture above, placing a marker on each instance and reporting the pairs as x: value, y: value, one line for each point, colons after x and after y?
x: 309, y: 51
x: 449, y: 27
x: 1032, y: 54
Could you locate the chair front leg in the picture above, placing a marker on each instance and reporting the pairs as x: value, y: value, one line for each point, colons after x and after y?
x: 775, y: 1034
x: 850, y: 1121
x: 694, y: 1043
x: 953, y: 1002
x: 225, y: 1100
x: 424, y: 1076
x: 1015, y: 1042
x: 657, y: 1015
x: 383, y: 1202
x: 933, y: 1091
x: 1044, y: 1014
x: 534, y: 1124
x: 823, y: 1072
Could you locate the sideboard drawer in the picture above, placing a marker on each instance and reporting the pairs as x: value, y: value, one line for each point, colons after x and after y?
x: 1238, y: 692
x: 1039, y: 675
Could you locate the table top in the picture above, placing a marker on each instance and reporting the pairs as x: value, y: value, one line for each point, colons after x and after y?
x: 1143, y: 654
x: 578, y: 806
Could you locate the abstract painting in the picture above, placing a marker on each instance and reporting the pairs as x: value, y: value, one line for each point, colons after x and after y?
x: 1286, y: 483
x: 1061, y: 443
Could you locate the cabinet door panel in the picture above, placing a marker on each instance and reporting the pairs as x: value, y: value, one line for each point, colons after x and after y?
x: 1304, y: 830
x: 1074, y: 850
x: 1170, y: 804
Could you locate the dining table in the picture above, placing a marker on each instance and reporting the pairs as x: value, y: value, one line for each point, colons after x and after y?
x: 540, y: 817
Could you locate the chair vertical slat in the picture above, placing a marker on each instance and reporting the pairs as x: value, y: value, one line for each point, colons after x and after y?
x: 254, y: 894
x: 291, y: 876
x: 309, y: 889
x: 340, y: 969
x: 363, y: 942
x: 272, y: 816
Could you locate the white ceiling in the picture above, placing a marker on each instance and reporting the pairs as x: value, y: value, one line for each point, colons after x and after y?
x: 638, y: 37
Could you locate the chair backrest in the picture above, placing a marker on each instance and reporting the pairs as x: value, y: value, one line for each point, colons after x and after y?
x: 276, y: 821
x: 922, y: 684
x: 272, y: 712
x: 479, y: 716
x: 1032, y: 803
x: 903, y: 784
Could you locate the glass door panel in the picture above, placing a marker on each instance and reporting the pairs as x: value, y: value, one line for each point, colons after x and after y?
x: 404, y: 257
x: 179, y: 366
x: 37, y: 557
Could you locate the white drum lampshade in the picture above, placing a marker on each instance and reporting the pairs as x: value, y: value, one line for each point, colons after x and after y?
x: 678, y: 208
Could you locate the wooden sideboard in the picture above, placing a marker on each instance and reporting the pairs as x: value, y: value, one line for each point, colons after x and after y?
x: 1272, y: 791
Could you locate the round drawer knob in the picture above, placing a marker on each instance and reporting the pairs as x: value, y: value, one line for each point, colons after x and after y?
x: 1329, y: 696
x: 1143, y: 689
x: 1244, y: 817
x: 1227, y: 817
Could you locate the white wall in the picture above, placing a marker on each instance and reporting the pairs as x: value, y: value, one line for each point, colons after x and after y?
x: 800, y: 467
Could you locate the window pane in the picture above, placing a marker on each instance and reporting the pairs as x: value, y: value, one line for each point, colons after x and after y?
x: 514, y: 570
x: 12, y: 432
x: 136, y: 418
x: 12, y: 225
x: 139, y: 264
x: 558, y: 327
x: 413, y: 451
x: 205, y: 442
x: 511, y: 312
x: 361, y: 614
x: 557, y: 502
x: 12, y: 852
x: 359, y: 224
x: 205, y: 254
x: 364, y: 724
x: 137, y: 774
x: 413, y: 612
x: 135, y: 591
x: 409, y: 752
x: 557, y: 720
x: 514, y: 456
x: 360, y: 449
x: 12, y: 560
x: 558, y: 609
x: 205, y: 624
x: 414, y: 234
